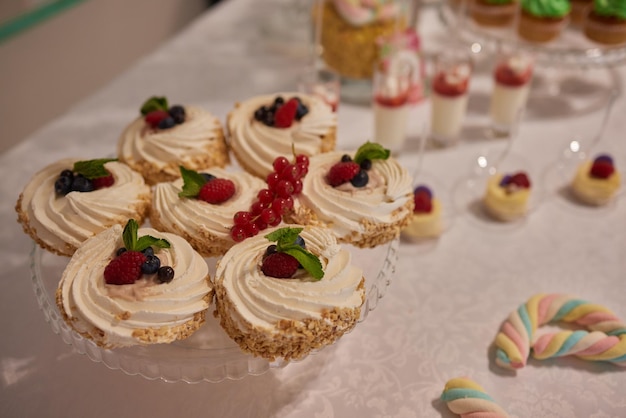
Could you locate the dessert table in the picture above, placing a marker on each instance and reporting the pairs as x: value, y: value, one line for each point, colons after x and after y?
x: 442, y: 310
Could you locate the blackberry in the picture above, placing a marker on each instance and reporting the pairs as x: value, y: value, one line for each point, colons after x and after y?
x: 165, y: 274
x: 345, y: 158
x: 151, y: 265
x: 269, y: 119
x: 82, y: 184
x: 63, y: 185
x: 361, y: 179
x: 177, y: 112
x: 279, y: 101
x: 260, y: 113
x: 67, y: 173
x: 366, y: 164
x: 167, y: 123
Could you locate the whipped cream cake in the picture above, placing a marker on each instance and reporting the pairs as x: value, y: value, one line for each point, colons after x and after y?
x: 363, y: 207
x: 159, y: 306
x: 164, y: 137
x: 275, y: 315
x: 207, y: 226
x: 60, y: 208
x: 283, y: 124
x: 426, y: 220
x: 596, y: 182
x: 506, y: 197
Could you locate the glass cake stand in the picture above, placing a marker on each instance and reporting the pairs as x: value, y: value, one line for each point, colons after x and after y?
x: 209, y: 354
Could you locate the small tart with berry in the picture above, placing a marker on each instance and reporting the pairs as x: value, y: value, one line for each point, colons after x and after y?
x: 200, y: 206
x: 130, y: 286
x: 71, y: 200
x: 506, y: 198
x: 288, y: 291
x: 426, y: 220
x: 597, y: 181
x: 265, y: 127
x: 165, y: 137
x: 365, y: 198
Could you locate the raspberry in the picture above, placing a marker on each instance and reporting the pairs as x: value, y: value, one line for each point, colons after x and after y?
x: 280, y: 265
x: 217, y: 191
x: 155, y: 117
x: 125, y: 269
x: 423, y: 202
x: 342, y: 172
x: 520, y: 180
x: 286, y: 114
x: 102, y: 182
x: 601, y: 169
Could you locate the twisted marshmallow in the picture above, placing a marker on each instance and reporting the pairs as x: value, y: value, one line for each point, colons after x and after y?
x: 468, y: 399
x: 605, y: 339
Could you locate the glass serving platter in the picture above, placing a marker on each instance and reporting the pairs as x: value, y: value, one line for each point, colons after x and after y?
x: 209, y: 354
x: 571, y: 48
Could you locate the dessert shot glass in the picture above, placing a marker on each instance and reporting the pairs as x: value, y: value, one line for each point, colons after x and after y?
x: 323, y: 83
x: 512, y: 76
x: 390, y: 90
x: 449, y: 95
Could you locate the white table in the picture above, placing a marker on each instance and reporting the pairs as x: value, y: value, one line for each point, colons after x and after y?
x: 438, y: 317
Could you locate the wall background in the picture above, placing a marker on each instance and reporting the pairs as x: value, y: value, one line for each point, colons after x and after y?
x: 47, y: 69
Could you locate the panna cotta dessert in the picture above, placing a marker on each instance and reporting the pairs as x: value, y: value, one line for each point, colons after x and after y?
x: 391, y: 92
x: 426, y: 221
x: 596, y: 182
x: 449, y: 98
x: 512, y: 78
x: 507, y: 195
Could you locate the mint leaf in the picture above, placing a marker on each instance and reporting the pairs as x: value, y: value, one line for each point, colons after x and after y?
x: 192, y: 182
x: 284, y: 236
x: 154, y: 103
x: 371, y: 151
x: 92, y: 169
x: 308, y: 261
x: 132, y: 243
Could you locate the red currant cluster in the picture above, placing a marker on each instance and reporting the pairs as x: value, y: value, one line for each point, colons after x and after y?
x: 273, y: 202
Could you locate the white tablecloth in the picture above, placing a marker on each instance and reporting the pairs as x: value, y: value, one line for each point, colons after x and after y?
x: 440, y: 313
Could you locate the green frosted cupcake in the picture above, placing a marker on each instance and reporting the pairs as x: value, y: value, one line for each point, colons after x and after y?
x: 543, y: 20
x: 606, y: 22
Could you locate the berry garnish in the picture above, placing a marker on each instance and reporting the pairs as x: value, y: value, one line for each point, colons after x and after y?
x: 283, y: 259
x: 177, y: 112
x: 155, y: 117
x: 85, y: 176
x: 342, y: 172
x: 165, y: 274
x: 158, y: 114
x: 601, y: 169
x: 519, y: 180
x: 604, y: 157
x: 273, y: 202
x: 133, y: 260
x: 166, y: 123
x: 422, y: 198
x: 423, y: 189
x: 281, y: 113
x: 360, y: 179
x: 214, y: 191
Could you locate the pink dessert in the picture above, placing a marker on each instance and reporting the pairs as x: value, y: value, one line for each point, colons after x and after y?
x: 512, y: 77
x: 449, y: 101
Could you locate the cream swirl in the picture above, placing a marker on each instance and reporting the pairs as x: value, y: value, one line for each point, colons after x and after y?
x: 382, y: 201
x: 64, y: 222
x: 120, y: 315
x: 256, y: 145
x: 264, y: 301
x: 179, y: 144
x: 201, y: 219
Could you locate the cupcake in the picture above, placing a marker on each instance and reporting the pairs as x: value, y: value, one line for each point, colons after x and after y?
x: 71, y: 200
x: 165, y: 137
x: 132, y: 286
x: 606, y: 22
x: 426, y: 219
x: 543, y: 20
x: 506, y: 198
x: 265, y: 127
x: 596, y: 182
x: 365, y: 198
x: 200, y: 206
x: 580, y: 9
x: 493, y: 13
x: 272, y: 307
x: 350, y: 29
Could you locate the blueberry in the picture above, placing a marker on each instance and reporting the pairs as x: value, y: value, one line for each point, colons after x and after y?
x: 269, y: 251
x: 505, y: 181
x: 177, y: 112
x: 208, y: 177
x: 345, y: 158
x: 148, y: 251
x: 67, y: 173
x: 422, y: 188
x: 63, y: 185
x: 167, y: 123
x: 301, y: 110
x: 300, y: 241
x: 361, y: 179
x: 82, y: 184
x: 278, y: 101
x: 151, y: 265
x: 165, y: 274
x: 366, y: 164
x: 120, y: 251
x: 269, y: 119
x: 604, y: 157
x: 260, y: 113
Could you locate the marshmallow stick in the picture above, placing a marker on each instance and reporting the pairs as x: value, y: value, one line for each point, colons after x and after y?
x: 468, y: 399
